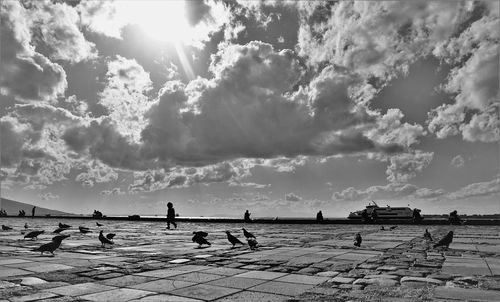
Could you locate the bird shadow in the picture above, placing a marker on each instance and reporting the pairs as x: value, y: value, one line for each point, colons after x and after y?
x: 202, y: 247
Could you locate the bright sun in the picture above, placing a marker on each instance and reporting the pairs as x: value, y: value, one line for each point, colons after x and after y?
x: 161, y: 20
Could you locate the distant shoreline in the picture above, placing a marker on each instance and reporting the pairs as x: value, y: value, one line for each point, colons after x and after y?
x: 281, y: 220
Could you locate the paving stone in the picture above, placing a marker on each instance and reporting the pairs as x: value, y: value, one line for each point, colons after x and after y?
x: 386, y: 276
x: 196, y: 277
x: 13, y: 261
x: 191, y: 268
x: 326, y: 291
x: 342, y: 280
x: 367, y: 266
x: 387, y: 268
x: 376, y: 281
x: 302, y: 279
x: 166, y: 298
x: 108, y: 276
x: 126, y: 280
x: 327, y: 274
x: 33, y: 297
x: 260, y: 275
x: 7, y: 284
x: 203, y: 256
x: 251, y: 296
x: 179, y: 261
x: 10, y: 272
x: 162, y: 285
x: 161, y: 273
x: 32, y: 281
x: 119, y: 294
x: 79, y: 289
x: 440, y: 276
x: 419, y: 279
x: 411, y: 273
x: 236, y: 282
x: 466, y: 294
x: 225, y: 271
x: 255, y: 267
x: 282, y: 288
x: 204, y: 292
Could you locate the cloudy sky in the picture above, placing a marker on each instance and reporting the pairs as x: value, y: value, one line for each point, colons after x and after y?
x: 280, y: 107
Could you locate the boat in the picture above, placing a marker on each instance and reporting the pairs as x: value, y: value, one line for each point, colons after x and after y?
x: 386, y: 212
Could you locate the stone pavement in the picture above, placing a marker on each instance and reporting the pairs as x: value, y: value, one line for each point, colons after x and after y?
x: 293, y: 263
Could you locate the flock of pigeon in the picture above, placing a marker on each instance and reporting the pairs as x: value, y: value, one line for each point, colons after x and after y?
x: 445, y: 241
x: 199, y: 237
x: 57, y: 240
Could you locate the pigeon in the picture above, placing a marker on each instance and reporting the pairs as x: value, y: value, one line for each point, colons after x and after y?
x: 393, y: 227
x: 51, y: 246
x: 357, y: 240
x: 64, y: 226
x: 199, y: 237
x: 252, y: 243
x: 247, y: 233
x: 6, y: 228
x: 110, y: 236
x: 58, y: 230
x: 445, y: 241
x: 233, y: 239
x: 104, y: 240
x: 33, y: 234
x: 84, y: 230
x: 99, y: 224
x: 26, y: 226
x: 427, y: 235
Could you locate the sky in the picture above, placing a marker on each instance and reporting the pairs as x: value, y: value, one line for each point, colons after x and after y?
x: 283, y: 108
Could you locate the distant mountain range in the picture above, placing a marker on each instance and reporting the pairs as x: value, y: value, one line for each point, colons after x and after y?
x: 13, y: 207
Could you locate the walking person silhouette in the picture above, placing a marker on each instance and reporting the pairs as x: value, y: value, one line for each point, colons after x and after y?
x: 170, y: 215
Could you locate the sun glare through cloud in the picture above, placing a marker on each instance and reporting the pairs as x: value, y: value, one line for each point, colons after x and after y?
x: 168, y: 21
x: 161, y: 20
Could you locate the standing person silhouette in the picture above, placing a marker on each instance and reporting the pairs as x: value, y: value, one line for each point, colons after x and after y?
x: 170, y: 215
x: 33, y: 212
x: 319, y: 217
x: 246, y: 217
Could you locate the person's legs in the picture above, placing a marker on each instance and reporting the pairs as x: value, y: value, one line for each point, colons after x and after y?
x: 175, y: 224
x: 168, y: 225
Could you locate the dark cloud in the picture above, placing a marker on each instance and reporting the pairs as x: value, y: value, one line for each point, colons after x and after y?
x: 197, y: 11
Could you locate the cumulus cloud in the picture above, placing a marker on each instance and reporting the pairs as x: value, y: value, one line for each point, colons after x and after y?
x: 48, y: 196
x: 260, y: 197
x: 230, y: 172
x: 378, y: 40
x: 391, y: 190
x: 474, y: 83
x: 125, y: 96
x: 250, y: 110
x: 457, y: 161
x: 404, y: 190
x: 292, y: 197
x: 487, y: 188
x: 42, y: 157
x: 25, y: 73
x: 114, y: 191
x: 96, y: 172
x: 392, y: 132
x: 56, y: 28
x: 403, y: 167
x: 374, y: 38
